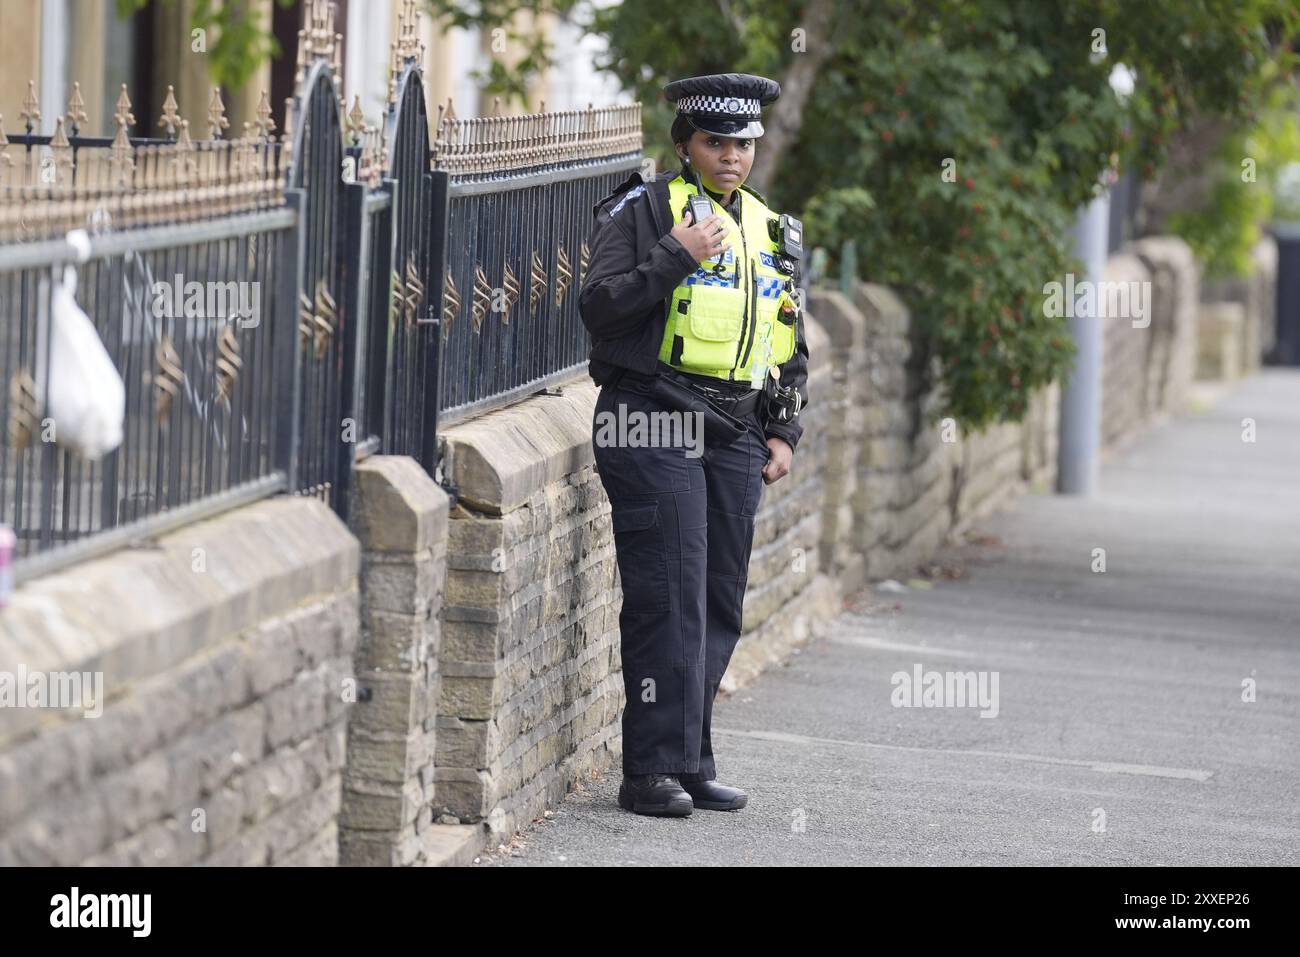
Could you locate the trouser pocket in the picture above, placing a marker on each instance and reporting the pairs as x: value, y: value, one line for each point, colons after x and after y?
x: 642, y: 557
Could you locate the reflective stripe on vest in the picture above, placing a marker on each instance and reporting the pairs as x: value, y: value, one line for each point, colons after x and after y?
x: 725, y: 322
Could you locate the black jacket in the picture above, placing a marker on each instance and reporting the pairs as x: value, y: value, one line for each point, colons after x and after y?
x: 627, y: 288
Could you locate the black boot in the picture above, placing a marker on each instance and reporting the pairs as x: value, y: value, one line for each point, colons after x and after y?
x: 712, y: 796
x: 657, y: 794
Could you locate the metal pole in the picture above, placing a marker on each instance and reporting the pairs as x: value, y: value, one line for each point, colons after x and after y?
x: 287, y: 359
x: 1080, y: 445
x: 54, y: 34
x: 439, y: 250
x: 356, y: 256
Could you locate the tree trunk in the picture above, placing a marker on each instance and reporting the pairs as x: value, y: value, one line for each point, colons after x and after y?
x: 786, y: 116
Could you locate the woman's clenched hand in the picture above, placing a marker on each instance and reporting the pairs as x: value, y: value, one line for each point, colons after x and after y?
x: 778, y: 465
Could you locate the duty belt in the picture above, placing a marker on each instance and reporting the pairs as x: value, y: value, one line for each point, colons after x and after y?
x: 723, y: 411
x: 739, y: 406
x: 732, y: 401
x: 736, y: 402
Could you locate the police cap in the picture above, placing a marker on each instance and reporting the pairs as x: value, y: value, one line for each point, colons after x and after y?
x: 725, y: 104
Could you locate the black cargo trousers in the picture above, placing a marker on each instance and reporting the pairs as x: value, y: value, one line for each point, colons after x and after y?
x: 683, y: 521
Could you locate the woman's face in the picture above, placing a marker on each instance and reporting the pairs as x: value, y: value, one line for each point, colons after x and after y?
x: 723, y: 161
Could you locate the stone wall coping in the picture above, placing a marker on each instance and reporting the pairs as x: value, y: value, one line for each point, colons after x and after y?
x: 142, y: 611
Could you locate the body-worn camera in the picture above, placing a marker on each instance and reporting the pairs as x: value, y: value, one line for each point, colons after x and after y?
x: 787, y: 232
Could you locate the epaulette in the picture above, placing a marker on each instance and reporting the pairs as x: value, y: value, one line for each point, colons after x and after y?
x: 630, y: 188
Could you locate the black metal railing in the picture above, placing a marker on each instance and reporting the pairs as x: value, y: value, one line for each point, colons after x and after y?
x: 316, y: 190
x: 410, y: 392
x: 519, y: 193
x: 387, y: 283
x: 199, y: 385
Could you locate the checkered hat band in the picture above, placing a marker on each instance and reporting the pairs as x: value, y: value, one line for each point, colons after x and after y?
x: 722, y: 105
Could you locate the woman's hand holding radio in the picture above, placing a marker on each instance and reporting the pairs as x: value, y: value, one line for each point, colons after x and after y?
x: 704, y: 240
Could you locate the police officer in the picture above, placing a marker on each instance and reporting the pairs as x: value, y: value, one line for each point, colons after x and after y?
x: 702, y: 301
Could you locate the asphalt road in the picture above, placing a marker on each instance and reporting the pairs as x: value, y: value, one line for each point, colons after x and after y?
x: 1121, y: 736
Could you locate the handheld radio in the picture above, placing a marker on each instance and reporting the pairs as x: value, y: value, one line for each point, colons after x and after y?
x: 699, y: 205
x: 701, y: 209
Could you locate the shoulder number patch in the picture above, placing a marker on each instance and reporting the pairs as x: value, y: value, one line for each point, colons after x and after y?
x: 632, y: 193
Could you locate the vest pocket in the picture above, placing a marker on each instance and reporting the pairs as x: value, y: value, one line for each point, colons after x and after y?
x: 781, y: 336
x: 642, y: 558
x: 714, y: 319
x: 783, y: 341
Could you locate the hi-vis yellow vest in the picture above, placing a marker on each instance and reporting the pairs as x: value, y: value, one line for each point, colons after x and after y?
x: 728, y: 323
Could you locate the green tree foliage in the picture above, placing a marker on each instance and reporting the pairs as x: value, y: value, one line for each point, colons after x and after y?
x: 1244, y: 171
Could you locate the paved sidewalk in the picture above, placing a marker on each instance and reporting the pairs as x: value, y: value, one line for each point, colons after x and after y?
x: 1119, y: 691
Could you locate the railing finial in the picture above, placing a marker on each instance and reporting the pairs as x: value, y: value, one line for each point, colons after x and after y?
x: 31, y: 111
x: 124, y: 116
x: 317, y: 39
x: 76, y: 109
x: 62, y: 151
x: 408, y: 31
x: 185, y: 163
x: 170, y: 116
x: 121, y: 161
x: 394, y: 68
x: 6, y: 161
x: 217, y: 114
x: 356, y: 120
x: 286, y: 138
x: 265, y: 122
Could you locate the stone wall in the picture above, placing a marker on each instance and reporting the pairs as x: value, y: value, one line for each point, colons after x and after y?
x: 1148, y: 365
x: 1125, y: 360
x: 225, y: 651
x: 531, y: 683
x: 1220, y: 334
x: 1004, y: 460
x: 790, y: 595
x: 843, y: 410
x: 1237, y: 325
x: 904, y: 473
x: 897, y: 481
x: 1175, y: 296
x: 389, y: 794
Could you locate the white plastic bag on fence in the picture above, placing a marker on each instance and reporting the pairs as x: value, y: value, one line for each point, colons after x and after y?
x: 85, y: 398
